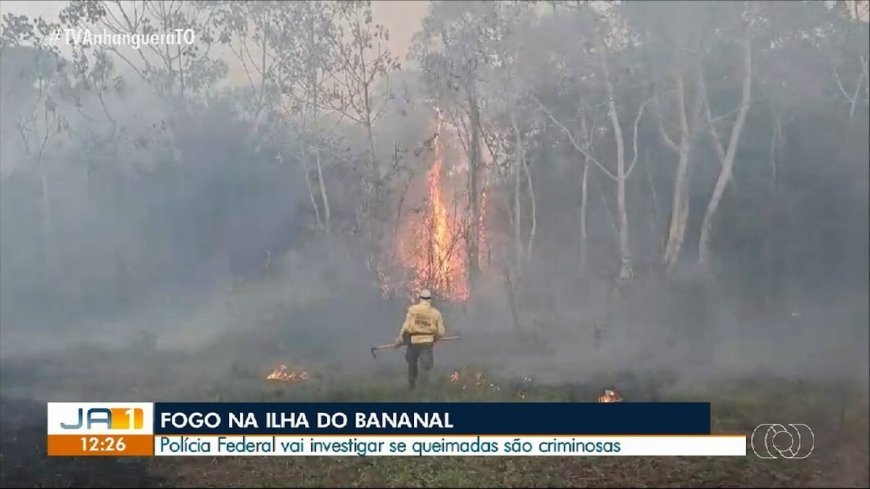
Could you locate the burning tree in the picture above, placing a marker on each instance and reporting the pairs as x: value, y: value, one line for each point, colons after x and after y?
x: 432, y: 245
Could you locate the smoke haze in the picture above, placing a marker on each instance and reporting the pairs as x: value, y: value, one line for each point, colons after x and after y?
x: 192, y: 224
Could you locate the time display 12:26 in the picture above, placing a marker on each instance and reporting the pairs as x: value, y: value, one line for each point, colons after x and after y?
x: 103, y: 444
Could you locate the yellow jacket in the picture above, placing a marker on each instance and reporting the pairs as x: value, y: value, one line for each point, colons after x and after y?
x: 423, y: 322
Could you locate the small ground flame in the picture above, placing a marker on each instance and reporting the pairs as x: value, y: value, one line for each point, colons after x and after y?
x: 283, y: 374
x: 610, y: 396
x: 470, y: 380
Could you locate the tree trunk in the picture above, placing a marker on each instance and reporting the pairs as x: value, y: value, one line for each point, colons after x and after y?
x: 373, y: 158
x: 584, y: 246
x: 323, y: 194
x: 680, y: 205
x: 584, y: 196
x: 532, y: 210
x: 512, y: 299
x: 775, y: 134
x: 625, y: 271
x: 398, y: 219
x: 604, y: 203
x: 312, y: 98
x: 47, y: 228
x: 474, y: 163
x: 858, y: 87
x: 865, y: 68
x: 303, y: 158
x: 518, y: 242
x: 728, y: 161
x: 680, y: 212
x: 656, y: 219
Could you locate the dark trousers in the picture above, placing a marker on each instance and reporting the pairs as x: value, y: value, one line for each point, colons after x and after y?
x: 421, y: 353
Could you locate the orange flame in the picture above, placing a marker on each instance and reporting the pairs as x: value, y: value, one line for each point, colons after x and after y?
x: 610, y: 396
x: 435, y: 249
x: 432, y: 248
x: 471, y: 380
x: 283, y: 374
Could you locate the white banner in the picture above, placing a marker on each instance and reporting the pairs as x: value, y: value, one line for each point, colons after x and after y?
x: 439, y: 446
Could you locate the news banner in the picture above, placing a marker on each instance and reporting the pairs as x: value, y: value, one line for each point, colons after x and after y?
x: 386, y: 429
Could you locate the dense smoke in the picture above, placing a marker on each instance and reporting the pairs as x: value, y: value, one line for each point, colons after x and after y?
x: 194, y: 202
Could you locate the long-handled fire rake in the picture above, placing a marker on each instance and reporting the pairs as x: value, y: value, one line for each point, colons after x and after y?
x: 398, y: 345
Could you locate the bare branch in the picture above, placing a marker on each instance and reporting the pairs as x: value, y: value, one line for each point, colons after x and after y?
x: 864, y: 64
x: 745, y: 103
x: 681, y: 103
x: 858, y: 86
x: 115, y: 19
x: 661, y: 127
x: 132, y: 65
x: 634, y: 142
x: 717, y: 142
x: 723, y: 116
x: 573, y: 141
x: 490, y: 145
x: 840, y: 85
x: 133, y: 27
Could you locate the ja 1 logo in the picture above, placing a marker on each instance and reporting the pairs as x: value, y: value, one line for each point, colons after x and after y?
x: 111, y: 418
x: 791, y: 441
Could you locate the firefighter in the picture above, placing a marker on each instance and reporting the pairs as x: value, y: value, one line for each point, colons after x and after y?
x: 422, y: 328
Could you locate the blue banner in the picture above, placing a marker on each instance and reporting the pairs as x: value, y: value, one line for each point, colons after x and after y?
x: 489, y: 418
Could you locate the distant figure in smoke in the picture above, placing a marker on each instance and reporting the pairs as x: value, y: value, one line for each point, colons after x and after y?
x: 422, y: 328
